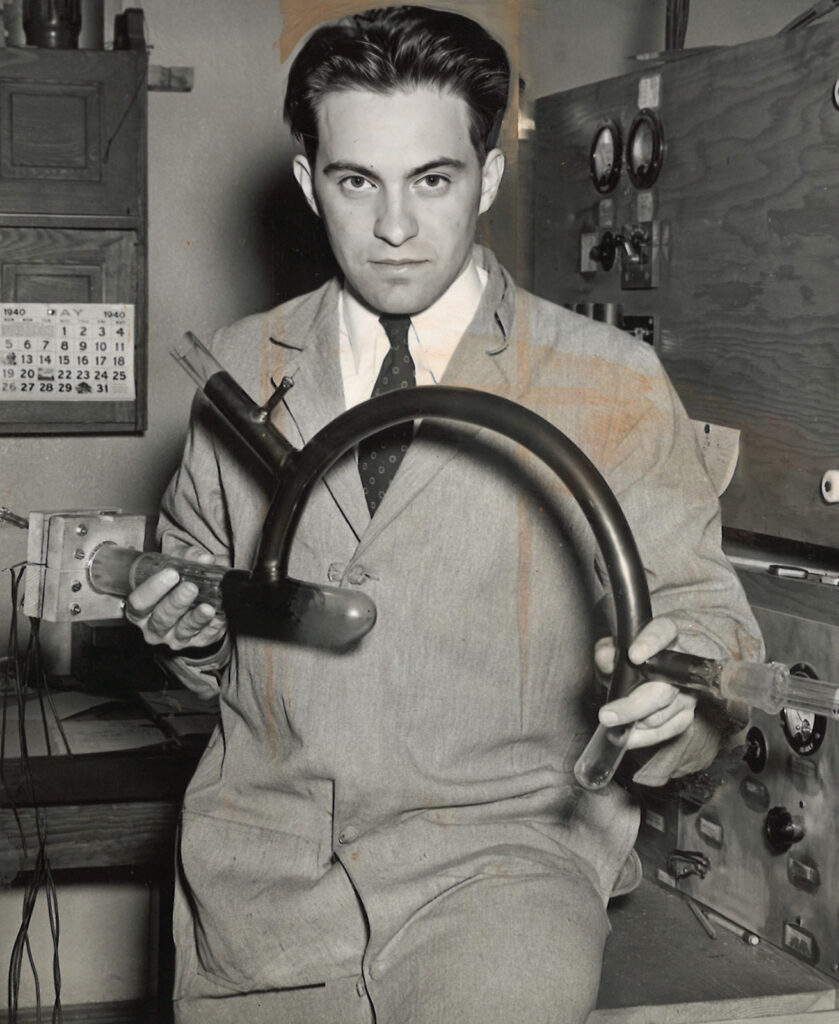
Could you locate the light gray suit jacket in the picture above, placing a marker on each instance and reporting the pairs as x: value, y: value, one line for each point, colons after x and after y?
x: 451, y: 730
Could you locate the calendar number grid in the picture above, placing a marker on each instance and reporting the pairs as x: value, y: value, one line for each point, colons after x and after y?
x: 83, y: 352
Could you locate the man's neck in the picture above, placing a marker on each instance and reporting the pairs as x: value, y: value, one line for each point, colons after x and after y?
x: 465, y: 290
x: 461, y: 297
x: 435, y: 334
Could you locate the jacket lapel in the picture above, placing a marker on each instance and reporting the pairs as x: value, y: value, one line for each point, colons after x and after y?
x: 304, y: 347
x: 484, y: 360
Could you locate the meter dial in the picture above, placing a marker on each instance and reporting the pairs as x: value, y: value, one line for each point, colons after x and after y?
x: 605, y: 156
x: 644, y: 149
x: 804, y: 730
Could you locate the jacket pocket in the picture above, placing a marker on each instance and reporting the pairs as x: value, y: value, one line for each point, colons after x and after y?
x: 258, y: 899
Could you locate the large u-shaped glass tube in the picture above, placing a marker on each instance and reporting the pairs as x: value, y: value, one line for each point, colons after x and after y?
x: 630, y: 593
x: 266, y: 601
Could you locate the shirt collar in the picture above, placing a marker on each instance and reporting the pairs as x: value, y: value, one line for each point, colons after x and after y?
x: 437, y: 329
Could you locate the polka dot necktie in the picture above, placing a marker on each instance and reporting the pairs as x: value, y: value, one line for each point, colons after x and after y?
x: 379, y: 456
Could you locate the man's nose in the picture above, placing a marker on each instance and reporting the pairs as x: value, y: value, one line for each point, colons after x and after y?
x: 395, y: 221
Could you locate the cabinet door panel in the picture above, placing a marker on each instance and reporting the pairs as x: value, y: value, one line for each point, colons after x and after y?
x: 68, y: 264
x: 69, y: 125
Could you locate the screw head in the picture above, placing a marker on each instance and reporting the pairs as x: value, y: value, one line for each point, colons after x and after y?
x: 81, y: 530
x: 78, y: 554
x: 75, y: 609
x: 75, y: 586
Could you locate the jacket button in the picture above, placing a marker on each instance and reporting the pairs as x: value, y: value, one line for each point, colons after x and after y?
x: 348, y: 835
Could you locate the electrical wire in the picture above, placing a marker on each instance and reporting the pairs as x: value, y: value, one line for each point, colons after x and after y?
x: 23, y: 674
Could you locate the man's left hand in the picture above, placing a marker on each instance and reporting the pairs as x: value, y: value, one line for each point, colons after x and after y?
x: 659, y: 710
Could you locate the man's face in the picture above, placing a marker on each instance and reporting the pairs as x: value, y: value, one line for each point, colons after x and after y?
x: 399, y: 186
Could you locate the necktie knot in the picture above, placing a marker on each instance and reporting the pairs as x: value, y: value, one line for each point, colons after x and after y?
x: 397, y: 369
x: 397, y: 326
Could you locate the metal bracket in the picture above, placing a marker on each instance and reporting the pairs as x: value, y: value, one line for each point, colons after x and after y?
x: 59, y: 548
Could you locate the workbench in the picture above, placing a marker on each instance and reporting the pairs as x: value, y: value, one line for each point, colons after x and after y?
x: 119, y: 811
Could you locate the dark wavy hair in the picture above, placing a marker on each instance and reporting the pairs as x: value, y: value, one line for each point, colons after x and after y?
x: 386, y: 49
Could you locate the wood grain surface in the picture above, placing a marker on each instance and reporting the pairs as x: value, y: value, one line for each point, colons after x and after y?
x: 748, y: 201
x: 136, y: 834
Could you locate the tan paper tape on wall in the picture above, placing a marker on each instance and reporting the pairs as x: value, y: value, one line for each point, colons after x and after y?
x: 720, y: 447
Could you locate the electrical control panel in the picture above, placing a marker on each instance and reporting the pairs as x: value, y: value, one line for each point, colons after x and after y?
x: 766, y: 829
x: 695, y: 204
x: 59, y: 549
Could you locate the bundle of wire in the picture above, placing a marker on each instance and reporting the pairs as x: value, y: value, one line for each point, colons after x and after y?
x: 24, y: 678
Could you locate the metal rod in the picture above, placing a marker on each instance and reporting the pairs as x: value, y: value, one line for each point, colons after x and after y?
x: 9, y: 517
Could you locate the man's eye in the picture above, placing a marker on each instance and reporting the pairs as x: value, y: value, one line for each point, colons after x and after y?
x: 433, y: 182
x: 356, y: 183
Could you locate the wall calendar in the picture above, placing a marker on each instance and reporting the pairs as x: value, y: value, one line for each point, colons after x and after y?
x: 67, y: 353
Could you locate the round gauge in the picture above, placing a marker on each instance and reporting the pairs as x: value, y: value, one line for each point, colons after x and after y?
x: 644, y: 149
x: 605, y: 156
x: 804, y: 730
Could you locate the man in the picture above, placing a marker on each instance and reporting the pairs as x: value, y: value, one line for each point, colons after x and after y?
x: 393, y: 832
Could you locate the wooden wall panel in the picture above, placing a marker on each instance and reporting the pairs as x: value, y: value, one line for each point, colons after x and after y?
x: 747, y: 309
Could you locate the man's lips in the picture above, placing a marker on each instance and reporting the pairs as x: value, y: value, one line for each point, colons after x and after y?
x: 397, y: 263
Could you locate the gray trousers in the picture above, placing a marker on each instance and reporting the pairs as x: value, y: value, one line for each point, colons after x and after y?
x: 489, y: 951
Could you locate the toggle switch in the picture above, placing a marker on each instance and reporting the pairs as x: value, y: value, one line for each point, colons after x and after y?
x: 641, y: 248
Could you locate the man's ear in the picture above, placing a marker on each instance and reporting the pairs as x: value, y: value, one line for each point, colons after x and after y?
x: 303, y: 173
x: 491, y: 175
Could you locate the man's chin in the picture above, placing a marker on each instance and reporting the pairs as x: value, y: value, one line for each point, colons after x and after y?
x: 397, y: 295
x: 397, y: 300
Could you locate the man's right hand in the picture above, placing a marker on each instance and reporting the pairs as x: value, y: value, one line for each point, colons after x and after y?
x: 161, y: 608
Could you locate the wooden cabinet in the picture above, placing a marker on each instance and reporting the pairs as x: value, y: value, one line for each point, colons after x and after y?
x: 73, y: 214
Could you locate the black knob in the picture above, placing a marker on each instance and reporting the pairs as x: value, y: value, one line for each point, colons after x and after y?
x: 756, y: 752
x: 781, y: 829
x: 604, y: 252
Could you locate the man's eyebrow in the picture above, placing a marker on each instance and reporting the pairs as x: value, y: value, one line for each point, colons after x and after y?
x: 348, y: 166
x: 441, y: 161
x: 345, y: 165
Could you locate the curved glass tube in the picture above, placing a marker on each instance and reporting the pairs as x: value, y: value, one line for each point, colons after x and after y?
x: 630, y: 592
x: 297, y: 472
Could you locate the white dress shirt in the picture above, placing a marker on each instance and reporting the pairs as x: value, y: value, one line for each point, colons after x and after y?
x: 432, y: 339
